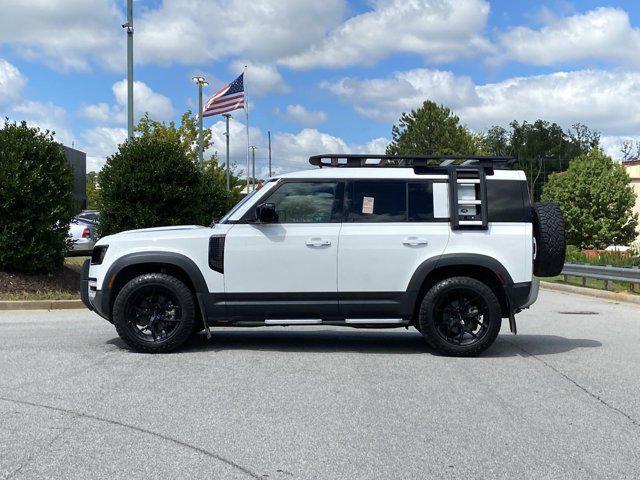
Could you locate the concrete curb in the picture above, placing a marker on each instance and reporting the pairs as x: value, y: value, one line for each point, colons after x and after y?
x: 40, y: 304
x: 592, y: 292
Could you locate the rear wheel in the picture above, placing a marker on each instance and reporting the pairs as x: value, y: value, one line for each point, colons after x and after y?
x: 460, y: 316
x: 154, y: 312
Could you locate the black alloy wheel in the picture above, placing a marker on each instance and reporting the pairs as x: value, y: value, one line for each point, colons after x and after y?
x: 460, y: 316
x: 154, y: 312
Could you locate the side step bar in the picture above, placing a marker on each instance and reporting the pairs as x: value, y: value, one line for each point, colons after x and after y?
x: 348, y: 321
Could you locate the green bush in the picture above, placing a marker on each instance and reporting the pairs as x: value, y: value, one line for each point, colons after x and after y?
x: 149, y: 182
x: 216, y: 200
x: 597, y: 201
x: 36, y: 200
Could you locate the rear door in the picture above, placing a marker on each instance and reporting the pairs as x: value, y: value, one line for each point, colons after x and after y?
x: 287, y: 269
x: 389, y: 229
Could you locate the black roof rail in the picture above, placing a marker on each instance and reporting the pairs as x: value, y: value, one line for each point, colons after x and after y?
x: 407, y: 161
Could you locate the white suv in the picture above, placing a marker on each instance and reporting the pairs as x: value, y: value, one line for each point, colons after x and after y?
x: 448, y: 245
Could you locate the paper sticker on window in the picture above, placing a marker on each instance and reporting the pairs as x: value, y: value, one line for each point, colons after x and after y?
x: 367, y: 205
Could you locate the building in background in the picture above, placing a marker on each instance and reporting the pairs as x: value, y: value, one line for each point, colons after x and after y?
x: 633, y: 169
x: 78, y: 161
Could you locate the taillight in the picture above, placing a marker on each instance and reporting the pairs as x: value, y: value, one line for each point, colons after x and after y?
x: 86, y: 233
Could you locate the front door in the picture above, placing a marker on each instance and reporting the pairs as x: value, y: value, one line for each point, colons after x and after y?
x: 286, y: 269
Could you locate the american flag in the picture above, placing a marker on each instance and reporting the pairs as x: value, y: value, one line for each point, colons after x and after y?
x: 228, y: 98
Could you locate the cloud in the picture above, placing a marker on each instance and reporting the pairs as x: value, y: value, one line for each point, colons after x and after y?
x: 46, y: 116
x: 195, y: 32
x: 65, y: 34
x: 260, y: 78
x: 100, y: 143
x: 300, y: 115
x: 602, y: 34
x: 612, y: 144
x: 605, y: 100
x: 385, y: 98
x: 12, y: 83
x: 438, y: 30
x: 145, y: 100
x: 290, y: 151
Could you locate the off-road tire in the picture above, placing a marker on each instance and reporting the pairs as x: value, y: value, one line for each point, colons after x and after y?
x: 184, y: 328
x: 428, y: 327
x: 548, y: 230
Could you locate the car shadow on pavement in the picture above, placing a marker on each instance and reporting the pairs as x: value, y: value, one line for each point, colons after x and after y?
x: 366, y: 341
x: 538, y: 345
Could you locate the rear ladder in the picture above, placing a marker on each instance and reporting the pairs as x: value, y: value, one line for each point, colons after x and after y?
x: 468, y: 198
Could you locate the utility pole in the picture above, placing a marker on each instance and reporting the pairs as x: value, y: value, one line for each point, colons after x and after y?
x: 129, y: 27
x: 253, y: 167
x: 269, y: 134
x: 227, y: 116
x: 200, y: 81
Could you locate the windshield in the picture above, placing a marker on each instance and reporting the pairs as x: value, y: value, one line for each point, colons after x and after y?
x: 246, y: 199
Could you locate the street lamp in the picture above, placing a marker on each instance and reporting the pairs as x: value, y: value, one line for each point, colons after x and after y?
x: 129, y: 28
x: 201, y: 82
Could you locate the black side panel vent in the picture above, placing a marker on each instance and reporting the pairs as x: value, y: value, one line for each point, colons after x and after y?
x: 216, y: 253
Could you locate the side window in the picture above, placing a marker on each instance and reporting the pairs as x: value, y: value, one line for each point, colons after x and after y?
x: 372, y: 202
x: 420, y: 201
x: 508, y: 201
x: 304, y: 202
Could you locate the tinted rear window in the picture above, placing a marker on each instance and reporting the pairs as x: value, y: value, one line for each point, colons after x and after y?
x: 508, y: 201
x: 373, y: 202
x: 421, y: 202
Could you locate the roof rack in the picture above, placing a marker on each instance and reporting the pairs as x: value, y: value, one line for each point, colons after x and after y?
x: 407, y: 161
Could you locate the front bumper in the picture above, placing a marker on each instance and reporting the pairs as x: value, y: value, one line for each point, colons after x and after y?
x: 84, y: 284
x: 89, y: 294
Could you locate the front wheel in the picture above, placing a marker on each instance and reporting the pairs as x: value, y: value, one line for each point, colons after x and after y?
x: 460, y: 316
x: 154, y: 313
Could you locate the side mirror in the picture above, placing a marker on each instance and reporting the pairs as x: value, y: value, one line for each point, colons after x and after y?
x: 266, y: 213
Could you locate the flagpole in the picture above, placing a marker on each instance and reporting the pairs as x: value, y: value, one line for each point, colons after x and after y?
x: 227, y: 116
x: 246, y: 111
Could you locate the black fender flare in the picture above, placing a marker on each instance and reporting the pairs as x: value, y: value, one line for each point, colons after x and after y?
x: 141, y: 258
x: 455, y: 259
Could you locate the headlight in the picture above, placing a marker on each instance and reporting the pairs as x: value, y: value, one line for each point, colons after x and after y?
x: 98, y: 253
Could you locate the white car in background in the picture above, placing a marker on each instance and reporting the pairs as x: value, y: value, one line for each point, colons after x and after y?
x: 82, y: 230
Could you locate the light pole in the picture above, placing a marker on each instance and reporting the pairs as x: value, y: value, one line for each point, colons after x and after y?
x: 269, y: 153
x: 227, y: 116
x: 253, y: 167
x: 201, y: 82
x: 129, y: 27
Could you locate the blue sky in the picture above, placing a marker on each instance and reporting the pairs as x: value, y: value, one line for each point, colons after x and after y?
x: 329, y: 76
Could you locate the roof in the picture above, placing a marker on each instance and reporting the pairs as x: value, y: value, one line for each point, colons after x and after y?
x: 388, y: 173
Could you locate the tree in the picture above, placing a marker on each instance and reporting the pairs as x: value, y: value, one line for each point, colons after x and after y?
x: 36, y: 200
x: 155, y: 180
x: 596, y: 199
x: 186, y: 134
x: 496, y: 141
x: 150, y: 181
x: 93, y: 191
x: 216, y: 200
x: 540, y: 148
x: 431, y: 130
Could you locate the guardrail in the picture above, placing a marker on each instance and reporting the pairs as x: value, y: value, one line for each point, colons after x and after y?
x: 630, y: 275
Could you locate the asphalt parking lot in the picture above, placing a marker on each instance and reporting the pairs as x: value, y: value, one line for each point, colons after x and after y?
x: 560, y: 400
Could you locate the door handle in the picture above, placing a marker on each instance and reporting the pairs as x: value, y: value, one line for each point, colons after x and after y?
x: 317, y: 242
x: 414, y: 241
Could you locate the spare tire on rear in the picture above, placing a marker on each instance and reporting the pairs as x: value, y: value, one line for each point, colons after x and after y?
x: 548, y: 230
